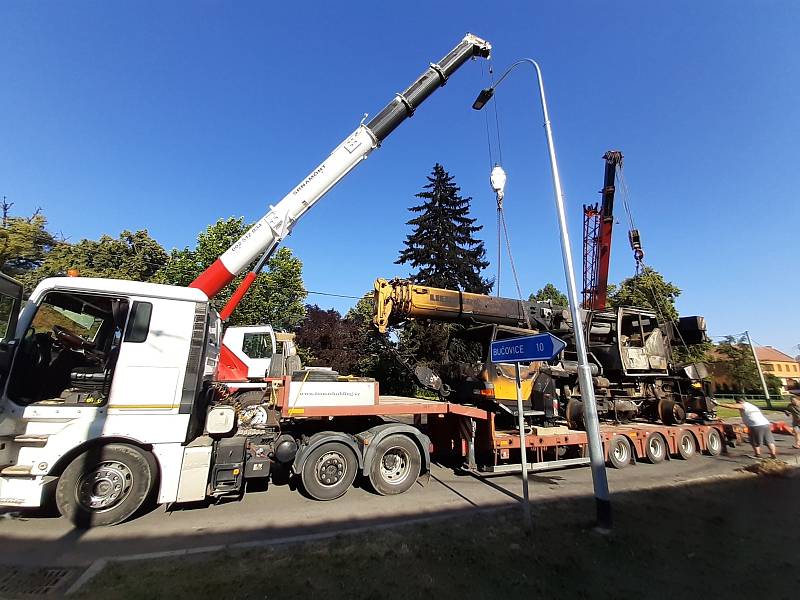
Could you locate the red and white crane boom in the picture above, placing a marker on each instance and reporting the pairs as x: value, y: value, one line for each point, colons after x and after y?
x: 266, y: 234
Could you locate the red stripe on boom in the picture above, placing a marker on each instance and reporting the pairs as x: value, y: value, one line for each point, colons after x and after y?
x: 213, y: 279
x: 238, y: 295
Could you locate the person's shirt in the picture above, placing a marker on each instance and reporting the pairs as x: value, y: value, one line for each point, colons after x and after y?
x: 752, y: 415
x: 794, y: 410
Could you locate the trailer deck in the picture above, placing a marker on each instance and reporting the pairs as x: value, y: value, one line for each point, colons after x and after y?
x: 470, y: 434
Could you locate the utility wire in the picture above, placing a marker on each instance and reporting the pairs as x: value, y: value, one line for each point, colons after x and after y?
x: 336, y: 295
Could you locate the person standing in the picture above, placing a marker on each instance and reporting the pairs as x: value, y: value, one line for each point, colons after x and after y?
x: 758, y: 426
x: 794, y: 410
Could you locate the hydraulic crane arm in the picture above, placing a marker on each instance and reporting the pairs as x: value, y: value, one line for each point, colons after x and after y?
x: 264, y: 237
x: 400, y: 299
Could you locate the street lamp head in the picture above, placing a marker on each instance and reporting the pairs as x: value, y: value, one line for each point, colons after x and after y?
x: 484, y: 97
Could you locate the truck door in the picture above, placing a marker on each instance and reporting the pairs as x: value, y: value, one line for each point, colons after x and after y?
x: 10, y: 304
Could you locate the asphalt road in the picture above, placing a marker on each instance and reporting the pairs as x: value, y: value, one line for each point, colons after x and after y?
x: 35, y: 539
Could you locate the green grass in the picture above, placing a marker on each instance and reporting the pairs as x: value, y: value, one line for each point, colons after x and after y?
x: 778, y: 406
x: 674, y: 542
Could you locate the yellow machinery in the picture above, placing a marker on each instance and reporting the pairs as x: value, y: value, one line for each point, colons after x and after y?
x: 398, y: 300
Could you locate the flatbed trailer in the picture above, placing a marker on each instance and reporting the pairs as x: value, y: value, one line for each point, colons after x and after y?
x: 469, y: 437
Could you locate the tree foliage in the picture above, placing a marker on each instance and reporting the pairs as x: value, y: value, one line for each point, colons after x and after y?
x: 648, y: 289
x: 277, y: 294
x: 377, y: 352
x: 329, y: 340
x: 24, y: 242
x: 443, y: 250
x: 132, y: 255
x: 442, y: 246
x: 550, y: 292
x: 735, y: 363
x: 774, y: 384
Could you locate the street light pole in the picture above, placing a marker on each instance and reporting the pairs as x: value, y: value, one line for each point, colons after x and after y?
x: 596, y: 455
x: 760, y: 372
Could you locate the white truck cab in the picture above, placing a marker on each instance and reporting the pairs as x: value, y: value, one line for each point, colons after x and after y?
x: 102, y: 360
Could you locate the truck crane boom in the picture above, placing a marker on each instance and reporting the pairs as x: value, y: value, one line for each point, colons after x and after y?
x: 264, y: 237
x: 598, y: 226
x: 397, y: 300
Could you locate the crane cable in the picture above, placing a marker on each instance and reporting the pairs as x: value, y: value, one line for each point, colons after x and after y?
x: 639, y: 258
x: 502, y: 227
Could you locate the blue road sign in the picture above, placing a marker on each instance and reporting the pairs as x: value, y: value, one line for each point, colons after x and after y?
x: 544, y: 346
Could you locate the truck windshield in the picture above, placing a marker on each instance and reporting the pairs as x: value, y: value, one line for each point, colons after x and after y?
x: 81, y: 324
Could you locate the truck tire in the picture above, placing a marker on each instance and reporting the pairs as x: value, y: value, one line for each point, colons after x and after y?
x: 687, y: 447
x: 251, y: 398
x: 619, y: 452
x: 713, y: 442
x: 574, y: 414
x: 655, y: 448
x: 105, y: 485
x: 329, y: 471
x: 395, y: 465
x: 670, y: 412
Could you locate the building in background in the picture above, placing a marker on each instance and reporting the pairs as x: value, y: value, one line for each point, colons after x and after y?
x: 784, y: 367
x: 728, y: 374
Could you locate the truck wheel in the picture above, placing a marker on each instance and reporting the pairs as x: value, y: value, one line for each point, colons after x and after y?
x: 686, y: 445
x: 655, y: 448
x: 619, y: 452
x: 713, y: 443
x: 253, y: 398
x: 574, y: 414
x: 329, y: 471
x: 670, y: 412
x: 105, y: 485
x: 395, y: 465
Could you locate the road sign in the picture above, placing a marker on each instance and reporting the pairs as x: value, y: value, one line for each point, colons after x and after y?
x: 544, y: 346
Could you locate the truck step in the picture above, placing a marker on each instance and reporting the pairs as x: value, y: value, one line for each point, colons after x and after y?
x: 16, y: 470
x: 31, y: 439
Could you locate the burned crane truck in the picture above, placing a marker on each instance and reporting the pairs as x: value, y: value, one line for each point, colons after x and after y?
x: 630, y: 351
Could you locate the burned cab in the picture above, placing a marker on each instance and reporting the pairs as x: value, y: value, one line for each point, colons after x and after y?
x: 637, y: 375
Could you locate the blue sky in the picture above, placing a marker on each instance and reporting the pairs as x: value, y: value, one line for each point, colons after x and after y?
x: 168, y: 116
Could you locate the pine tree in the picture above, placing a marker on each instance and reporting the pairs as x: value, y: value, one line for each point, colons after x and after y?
x: 443, y: 250
x: 442, y: 247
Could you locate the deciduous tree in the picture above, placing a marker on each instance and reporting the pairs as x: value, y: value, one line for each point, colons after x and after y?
x: 550, y: 292
x: 329, y: 340
x: 648, y: 289
x: 276, y: 296
x: 131, y: 255
x: 735, y: 363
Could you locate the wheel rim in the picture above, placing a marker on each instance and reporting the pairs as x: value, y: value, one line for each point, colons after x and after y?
x: 713, y: 442
x: 330, y: 468
x: 105, y: 486
x: 395, y: 465
x: 620, y: 452
x: 687, y: 445
x: 656, y: 449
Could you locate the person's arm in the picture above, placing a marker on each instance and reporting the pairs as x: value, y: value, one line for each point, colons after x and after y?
x: 734, y: 406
